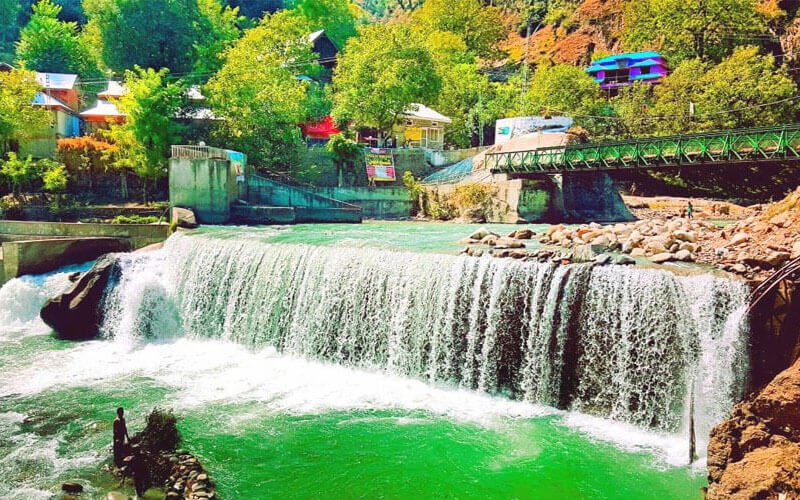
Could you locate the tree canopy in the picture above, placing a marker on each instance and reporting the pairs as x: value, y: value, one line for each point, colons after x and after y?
x: 18, y: 119
x: 144, y: 139
x: 51, y: 45
x: 685, y: 29
x: 380, y: 74
x: 257, y: 91
x: 146, y: 33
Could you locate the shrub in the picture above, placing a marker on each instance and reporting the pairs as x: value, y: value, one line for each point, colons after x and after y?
x: 135, y: 219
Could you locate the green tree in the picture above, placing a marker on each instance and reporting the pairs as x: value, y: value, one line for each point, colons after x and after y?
x: 345, y: 153
x: 746, y: 90
x: 219, y: 29
x: 8, y: 27
x: 18, y: 119
x: 50, y: 45
x: 685, y: 29
x: 54, y: 179
x: 676, y: 94
x: 380, y: 74
x: 566, y: 90
x: 258, y: 91
x: 336, y: 17
x: 632, y: 106
x: 467, y: 95
x: 146, y: 33
x: 18, y: 172
x: 480, y: 27
x: 144, y: 139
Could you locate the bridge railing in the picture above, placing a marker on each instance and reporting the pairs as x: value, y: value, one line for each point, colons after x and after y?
x: 755, y: 144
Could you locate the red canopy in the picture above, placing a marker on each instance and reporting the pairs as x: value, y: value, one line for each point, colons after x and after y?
x: 322, y: 129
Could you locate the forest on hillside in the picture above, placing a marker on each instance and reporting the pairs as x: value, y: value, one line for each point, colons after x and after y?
x: 733, y: 63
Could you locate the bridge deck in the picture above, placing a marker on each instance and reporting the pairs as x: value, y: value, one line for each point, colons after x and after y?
x: 757, y: 145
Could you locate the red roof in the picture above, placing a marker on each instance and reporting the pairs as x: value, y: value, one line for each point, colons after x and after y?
x: 322, y: 129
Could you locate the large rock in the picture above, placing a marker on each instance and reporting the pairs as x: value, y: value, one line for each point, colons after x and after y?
x: 184, y: 218
x: 660, y: 258
x: 503, y: 243
x: 756, y: 453
x: 77, y: 314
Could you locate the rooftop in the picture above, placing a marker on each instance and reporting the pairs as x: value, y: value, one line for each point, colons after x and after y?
x: 56, y: 81
x: 114, y: 89
x: 423, y: 112
x: 103, y: 108
x: 627, y: 55
x: 48, y: 101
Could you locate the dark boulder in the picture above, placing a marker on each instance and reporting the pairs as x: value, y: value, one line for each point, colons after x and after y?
x: 73, y: 487
x: 77, y: 314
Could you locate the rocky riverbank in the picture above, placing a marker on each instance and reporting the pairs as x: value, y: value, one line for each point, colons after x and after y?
x: 752, y: 248
x: 188, y: 479
x: 756, y: 453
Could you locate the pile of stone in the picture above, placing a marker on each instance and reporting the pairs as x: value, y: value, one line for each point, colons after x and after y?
x: 514, y: 246
x: 759, y: 244
x: 660, y: 240
x: 500, y: 246
x: 188, y: 479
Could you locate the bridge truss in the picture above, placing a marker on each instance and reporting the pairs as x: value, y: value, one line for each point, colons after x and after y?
x: 756, y: 145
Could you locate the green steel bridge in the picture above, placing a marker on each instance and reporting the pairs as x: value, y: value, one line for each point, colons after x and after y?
x: 754, y: 146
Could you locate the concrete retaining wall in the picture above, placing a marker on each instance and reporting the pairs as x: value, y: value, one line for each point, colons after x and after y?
x: 207, y: 186
x: 41, y: 256
x: 586, y: 197
x: 385, y: 203
x: 139, y: 235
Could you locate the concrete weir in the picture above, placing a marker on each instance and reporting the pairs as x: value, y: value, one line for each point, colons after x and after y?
x: 39, y: 247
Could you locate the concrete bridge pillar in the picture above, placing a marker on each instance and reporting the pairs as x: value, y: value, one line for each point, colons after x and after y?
x: 588, y: 197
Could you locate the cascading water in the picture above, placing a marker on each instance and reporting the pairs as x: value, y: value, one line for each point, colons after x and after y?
x: 614, y: 341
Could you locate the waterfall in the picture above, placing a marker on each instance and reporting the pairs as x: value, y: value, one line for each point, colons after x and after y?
x: 614, y: 341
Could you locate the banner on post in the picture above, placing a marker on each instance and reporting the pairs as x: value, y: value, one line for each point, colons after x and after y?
x: 380, y: 165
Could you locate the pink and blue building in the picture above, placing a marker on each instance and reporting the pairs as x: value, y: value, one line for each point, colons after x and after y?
x: 622, y: 70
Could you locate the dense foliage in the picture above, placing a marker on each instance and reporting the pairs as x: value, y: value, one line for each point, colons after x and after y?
x: 259, y: 92
x: 733, y: 63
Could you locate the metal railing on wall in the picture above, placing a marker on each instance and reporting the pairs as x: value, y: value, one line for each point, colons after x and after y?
x: 199, y: 152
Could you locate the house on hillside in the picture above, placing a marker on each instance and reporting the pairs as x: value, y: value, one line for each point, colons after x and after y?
x: 105, y: 112
x: 622, y: 70
x: 327, y: 53
x: 421, y: 127
x: 59, y: 96
x: 5, y: 67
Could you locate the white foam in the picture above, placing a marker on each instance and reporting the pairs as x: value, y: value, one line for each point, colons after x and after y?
x: 669, y: 449
x: 217, y: 372
x: 22, y: 298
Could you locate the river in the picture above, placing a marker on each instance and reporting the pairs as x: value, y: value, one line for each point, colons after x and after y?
x: 373, y: 361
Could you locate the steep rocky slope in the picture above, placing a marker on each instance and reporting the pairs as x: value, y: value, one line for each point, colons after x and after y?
x: 756, y: 453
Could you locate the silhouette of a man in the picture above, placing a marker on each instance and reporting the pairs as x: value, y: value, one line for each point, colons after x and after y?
x: 121, y: 438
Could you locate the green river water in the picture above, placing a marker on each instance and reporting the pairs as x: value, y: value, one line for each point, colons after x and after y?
x: 268, y: 425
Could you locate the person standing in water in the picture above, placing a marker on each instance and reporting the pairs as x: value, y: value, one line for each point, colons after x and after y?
x: 689, y: 210
x: 121, y: 438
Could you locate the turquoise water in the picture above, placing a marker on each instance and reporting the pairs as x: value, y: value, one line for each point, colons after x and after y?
x: 439, y: 237
x: 270, y: 425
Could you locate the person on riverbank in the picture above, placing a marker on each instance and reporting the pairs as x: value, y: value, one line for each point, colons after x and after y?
x: 689, y: 210
x: 121, y: 438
